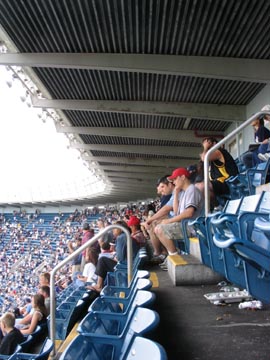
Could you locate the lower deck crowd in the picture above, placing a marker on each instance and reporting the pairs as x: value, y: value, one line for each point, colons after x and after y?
x: 31, y: 244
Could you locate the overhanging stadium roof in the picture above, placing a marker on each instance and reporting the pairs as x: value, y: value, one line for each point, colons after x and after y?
x: 139, y: 83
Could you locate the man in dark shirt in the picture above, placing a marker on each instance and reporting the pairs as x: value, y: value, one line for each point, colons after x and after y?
x: 165, y: 189
x: 221, y: 166
x: 12, y: 336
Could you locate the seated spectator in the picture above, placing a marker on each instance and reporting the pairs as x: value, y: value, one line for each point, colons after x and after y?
x: 265, y: 156
x: 24, y: 310
x: 187, y: 204
x: 222, y: 166
x: 136, y: 232
x: 106, y: 249
x: 39, y: 315
x: 105, y: 264
x: 11, y: 335
x: 45, y: 291
x: 88, y: 275
x: 261, y: 137
x: 164, y: 188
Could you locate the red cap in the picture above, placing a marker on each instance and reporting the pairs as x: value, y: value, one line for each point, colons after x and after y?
x: 179, y: 172
x: 133, y: 220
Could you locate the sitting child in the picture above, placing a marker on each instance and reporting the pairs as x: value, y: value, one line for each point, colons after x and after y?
x: 11, y: 335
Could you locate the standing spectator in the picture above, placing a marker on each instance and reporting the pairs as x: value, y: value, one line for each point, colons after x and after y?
x: 76, y: 262
x: 12, y: 335
x: 87, y: 235
x: 44, y: 279
x: 105, y: 264
x: 106, y: 237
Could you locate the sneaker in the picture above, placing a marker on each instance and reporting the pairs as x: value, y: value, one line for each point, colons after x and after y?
x: 264, y: 157
x: 158, y: 259
x: 164, y: 263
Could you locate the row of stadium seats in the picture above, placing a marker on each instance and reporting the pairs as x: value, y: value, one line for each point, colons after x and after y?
x: 236, y: 243
x: 118, y: 320
x: 21, y: 352
x: 245, y: 182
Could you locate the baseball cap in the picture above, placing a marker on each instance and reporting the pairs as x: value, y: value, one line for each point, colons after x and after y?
x: 133, y: 220
x: 179, y: 172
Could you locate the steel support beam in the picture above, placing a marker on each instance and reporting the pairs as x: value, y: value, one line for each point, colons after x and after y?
x: 160, y: 134
x: 228, y: 113
x: 188, y: 152
x: 252, y: 70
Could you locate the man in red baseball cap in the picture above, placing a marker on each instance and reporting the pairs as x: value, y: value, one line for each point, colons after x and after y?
x: 186, y: 203
x: 179, y: 172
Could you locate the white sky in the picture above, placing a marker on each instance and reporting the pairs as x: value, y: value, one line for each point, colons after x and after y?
x: 31, y: 152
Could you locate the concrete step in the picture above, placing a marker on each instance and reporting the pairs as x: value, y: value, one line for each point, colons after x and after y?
x: 188, y: 270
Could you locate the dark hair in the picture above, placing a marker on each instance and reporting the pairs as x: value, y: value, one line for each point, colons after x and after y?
x: 92, y: 255
x: 45, y: 289
x: 163, y: 180
x: 123, y: 223
x: 39, y: 302
x: 211, y: 139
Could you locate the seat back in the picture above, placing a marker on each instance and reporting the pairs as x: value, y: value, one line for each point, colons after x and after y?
x: 141, y: 348
x: 27, y: 344
x: 257, y: 176
x: 232, y: 206
x: 43, y: 354
x: 250, y: 203
x: 90, y: 347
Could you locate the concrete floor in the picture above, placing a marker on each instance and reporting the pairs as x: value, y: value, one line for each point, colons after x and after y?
x: 191, y: 328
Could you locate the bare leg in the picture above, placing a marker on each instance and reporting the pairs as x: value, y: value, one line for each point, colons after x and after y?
x: 168, y: 243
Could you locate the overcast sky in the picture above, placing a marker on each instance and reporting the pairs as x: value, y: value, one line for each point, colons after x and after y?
x: 31, y: 151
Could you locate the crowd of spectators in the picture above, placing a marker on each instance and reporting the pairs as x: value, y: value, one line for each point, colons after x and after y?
x: 34, y: 243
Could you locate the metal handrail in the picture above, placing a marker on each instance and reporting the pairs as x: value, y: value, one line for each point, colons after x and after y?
x: 69, y: 258
x: 216, y: 147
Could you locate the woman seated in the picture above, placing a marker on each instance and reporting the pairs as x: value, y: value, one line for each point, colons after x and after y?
x: 39, y: 315
x: 88, y: 275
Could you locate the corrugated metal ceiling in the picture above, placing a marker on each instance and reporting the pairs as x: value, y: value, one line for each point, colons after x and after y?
x: 237, y: 29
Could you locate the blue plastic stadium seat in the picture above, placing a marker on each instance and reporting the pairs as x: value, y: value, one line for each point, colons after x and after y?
x: 27, y: 344
x: 141, y: 348
x: 6, y: 357
x: 225, y: 226
x: 120, y: 277
x: 122, y: 305
x: 253, y: 250
x: 42, y: 355
x: 202, y: 227
x: 109, y: 347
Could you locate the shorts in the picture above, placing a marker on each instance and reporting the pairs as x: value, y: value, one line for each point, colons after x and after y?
x: 173, y: 231
x: 220, y: 188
